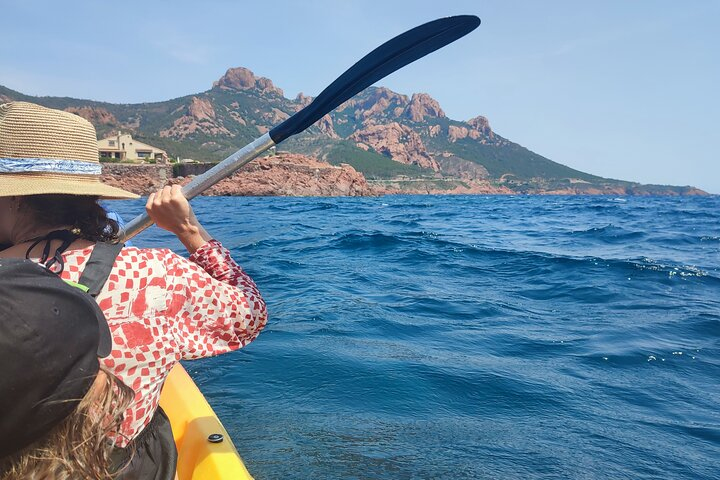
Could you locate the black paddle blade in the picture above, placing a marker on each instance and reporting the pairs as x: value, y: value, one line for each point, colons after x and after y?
x: 381, y: 62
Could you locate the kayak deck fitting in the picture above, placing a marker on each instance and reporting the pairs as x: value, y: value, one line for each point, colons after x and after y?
x: 205, y: 450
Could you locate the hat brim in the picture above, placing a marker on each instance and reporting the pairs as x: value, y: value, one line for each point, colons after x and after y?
x: 18, y: 184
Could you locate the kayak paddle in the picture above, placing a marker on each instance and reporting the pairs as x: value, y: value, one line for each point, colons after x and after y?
x: 381, y: 62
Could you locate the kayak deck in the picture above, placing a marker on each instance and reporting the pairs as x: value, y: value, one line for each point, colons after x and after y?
x: 193, y: 421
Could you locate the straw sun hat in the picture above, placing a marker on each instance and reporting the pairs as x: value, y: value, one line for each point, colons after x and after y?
x: 49, y: 151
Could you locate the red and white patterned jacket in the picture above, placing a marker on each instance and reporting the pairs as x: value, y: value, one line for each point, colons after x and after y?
x: 162, y: 308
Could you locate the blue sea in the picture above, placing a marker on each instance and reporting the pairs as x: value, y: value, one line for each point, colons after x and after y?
x: 472, y: 337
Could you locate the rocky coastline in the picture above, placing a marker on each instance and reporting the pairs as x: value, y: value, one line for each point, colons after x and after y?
x: 279, y: 175
x: 289, y: 174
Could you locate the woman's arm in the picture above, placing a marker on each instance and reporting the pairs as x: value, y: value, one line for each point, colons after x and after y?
x: 215, y: 305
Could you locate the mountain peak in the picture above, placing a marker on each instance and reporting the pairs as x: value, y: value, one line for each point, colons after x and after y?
x: 241, y: 78
x: 479, y: 127
x: 421, y: 106
x: 480, y: 123
x: 303, y: 99
x: 379, y: 98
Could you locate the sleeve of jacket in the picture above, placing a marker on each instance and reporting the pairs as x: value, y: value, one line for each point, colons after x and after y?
x: 214, y: 305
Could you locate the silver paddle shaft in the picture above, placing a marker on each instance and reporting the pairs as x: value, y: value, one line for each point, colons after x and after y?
x: 202, y: 182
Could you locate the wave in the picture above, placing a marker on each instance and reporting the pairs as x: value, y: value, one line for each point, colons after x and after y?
x: 377, y: 240
x: 431, y: 246
x: 610, y: 233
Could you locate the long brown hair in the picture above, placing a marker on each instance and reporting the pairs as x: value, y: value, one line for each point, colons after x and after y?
x: 79, y: 212
x: 79, y: 446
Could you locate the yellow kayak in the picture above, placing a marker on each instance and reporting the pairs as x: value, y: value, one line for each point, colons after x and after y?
x: 205, y: 450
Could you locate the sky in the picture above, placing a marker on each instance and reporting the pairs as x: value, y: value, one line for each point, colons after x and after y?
x: 621, y: 89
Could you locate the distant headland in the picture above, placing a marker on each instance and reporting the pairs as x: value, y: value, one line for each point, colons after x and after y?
x: 379, y: 142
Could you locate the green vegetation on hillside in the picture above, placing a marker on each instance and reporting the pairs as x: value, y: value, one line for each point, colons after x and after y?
x: 513, y: 159
x: 371, y: 164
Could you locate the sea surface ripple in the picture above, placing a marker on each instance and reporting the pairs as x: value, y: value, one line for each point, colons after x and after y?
x: 472, y: 337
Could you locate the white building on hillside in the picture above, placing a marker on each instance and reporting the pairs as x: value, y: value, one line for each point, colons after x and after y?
x: 124, y: 148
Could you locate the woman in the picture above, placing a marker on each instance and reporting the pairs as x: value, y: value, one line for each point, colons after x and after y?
x: 56, y: 425
x: 161, y: 308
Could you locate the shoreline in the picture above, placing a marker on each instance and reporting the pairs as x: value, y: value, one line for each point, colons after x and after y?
x: 294, y: 175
